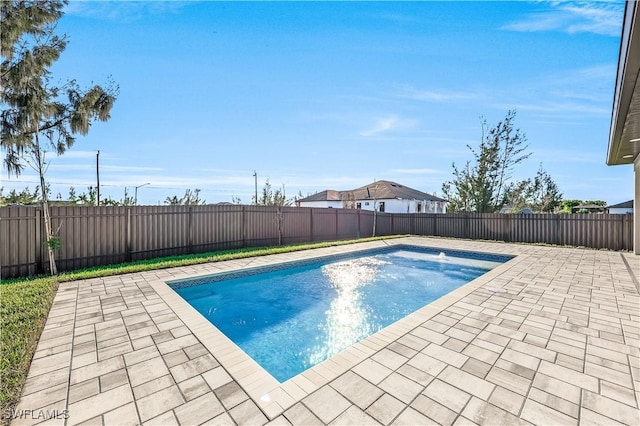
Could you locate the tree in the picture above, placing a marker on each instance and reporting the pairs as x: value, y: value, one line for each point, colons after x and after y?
x: 90, y: 198
x: 482, y: 186
x: 569, y: 205
x: 23, y: 197
x: 190, y: 198
x: 32, y: 106
x: 270, y: 197
x: 540, y: 194
x: 543, y: 193
x: 278, y: 199
x: 517, y: 195
x: 73, y: 198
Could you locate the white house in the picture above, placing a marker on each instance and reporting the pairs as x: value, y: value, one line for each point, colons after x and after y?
x: 325, y: 199
x: 383, y: 196
x: 621, y: 208
x: 624, y: 134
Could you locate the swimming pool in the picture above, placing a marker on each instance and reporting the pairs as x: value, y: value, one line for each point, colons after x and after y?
x: 290, y: 317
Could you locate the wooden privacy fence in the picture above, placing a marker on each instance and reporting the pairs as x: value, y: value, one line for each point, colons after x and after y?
x: 92, y: 236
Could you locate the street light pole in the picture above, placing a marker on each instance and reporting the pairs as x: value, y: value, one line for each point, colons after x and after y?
x: 98, y: 178
x: 255, y: 175
x: 135, y: 198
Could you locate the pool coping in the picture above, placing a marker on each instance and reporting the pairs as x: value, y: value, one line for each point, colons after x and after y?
x: 274, y: 397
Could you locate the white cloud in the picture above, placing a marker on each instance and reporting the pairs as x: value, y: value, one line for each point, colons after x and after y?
x: 125, y: 11
x: 72, y: 154
x: 103, y: 168
x: 381, y: 126
x: 604, y: 18
x: 385, y: 124
x: 436, y: 96
x: 558, y: 109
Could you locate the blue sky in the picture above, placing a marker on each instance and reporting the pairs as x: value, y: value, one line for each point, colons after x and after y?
x: 326, y: 95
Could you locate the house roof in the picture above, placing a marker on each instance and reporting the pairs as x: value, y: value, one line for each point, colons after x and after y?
x: 384, y: 189
x: 380, y: 190
x: 624, y: 205
x: 589, y: 206
x: 326, y: 195
x: 624, y: 134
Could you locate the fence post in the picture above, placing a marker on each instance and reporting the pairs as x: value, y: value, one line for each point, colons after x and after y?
x: 38, y: 246
x: 311, y: 224
x: 128, y: 241
x: 336, y: 220
x: 466, y: 225
x: 393, y: 224
x: 630, y: 230
x: 508, y: 228
x: 624, y: 228
x: 358, y: 231
x: 190, y: 229
x: 412, y: 225
x: 435, y: 224
x: 243, y: 226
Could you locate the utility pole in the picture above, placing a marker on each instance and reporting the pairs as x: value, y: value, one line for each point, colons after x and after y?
x: 98, y: 178
x: 136, y: 192
x: 255, y: 175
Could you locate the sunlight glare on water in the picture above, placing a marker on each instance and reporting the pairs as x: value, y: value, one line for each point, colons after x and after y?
x: 347, y: 320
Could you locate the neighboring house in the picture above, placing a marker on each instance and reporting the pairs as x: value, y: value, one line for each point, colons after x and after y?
x: 621, y: 208
x: 383, y: 195
x: 326, y: 199
x: 588, y: 208
x: 513, y: 210
x: 624, y: 135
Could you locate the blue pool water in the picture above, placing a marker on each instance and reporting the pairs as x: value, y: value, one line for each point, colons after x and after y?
x: 289, y: 320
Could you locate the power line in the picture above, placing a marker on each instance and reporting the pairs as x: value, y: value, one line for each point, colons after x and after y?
x: 63, y: 183
x: 76, y: 184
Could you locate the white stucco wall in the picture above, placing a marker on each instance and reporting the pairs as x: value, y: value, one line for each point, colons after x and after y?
x: 322, y: 204
x: 394, y: 205
x: 620, y: 211
x: 391, y: 205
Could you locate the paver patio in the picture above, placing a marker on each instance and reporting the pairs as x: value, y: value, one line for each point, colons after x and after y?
x: 551, y: 337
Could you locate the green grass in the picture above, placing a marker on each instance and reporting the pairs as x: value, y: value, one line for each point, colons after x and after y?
x: 25, y: 303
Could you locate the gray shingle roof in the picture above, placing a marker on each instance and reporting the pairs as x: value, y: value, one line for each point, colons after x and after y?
x: 624, y: 205
x: 384, y: 189
x: 380, y: 190
x: 326, y: 195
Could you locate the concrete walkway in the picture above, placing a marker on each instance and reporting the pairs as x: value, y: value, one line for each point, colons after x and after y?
x: 550, y: 337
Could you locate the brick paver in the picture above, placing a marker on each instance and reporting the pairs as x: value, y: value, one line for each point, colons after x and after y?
x: 551, y: 337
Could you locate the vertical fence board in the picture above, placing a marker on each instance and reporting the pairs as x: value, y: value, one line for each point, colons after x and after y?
x: 347, y: 223
x: 324, y: 224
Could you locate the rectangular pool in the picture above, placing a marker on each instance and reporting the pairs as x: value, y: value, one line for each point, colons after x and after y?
x: 291, y: 317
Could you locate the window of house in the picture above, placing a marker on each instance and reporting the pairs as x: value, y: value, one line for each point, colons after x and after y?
x: 419, y: 208
x: 358, y: 205
x: 381, y: 209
